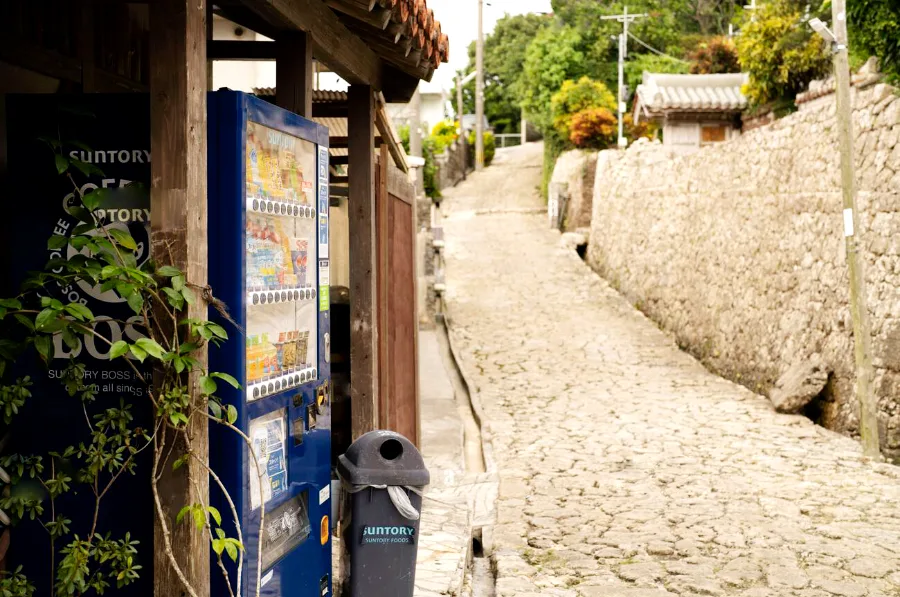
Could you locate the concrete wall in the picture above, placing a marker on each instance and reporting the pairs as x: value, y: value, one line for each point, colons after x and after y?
x: 738, y: 249
x: 575, y: 169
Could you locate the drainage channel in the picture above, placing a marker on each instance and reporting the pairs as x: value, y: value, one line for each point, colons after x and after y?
x: 480, y: 581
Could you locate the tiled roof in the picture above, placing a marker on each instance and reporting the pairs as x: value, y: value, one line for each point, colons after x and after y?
x: 403, y: 32
x: 692, y: 93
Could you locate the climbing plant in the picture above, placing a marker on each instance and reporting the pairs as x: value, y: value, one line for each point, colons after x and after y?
x: 146, y: 431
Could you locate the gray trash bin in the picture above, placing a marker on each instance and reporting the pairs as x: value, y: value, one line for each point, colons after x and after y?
x: 385, y: 475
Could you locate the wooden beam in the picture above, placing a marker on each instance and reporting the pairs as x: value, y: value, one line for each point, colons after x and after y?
x: 330, y: 110
x: 363, y: 262
x: 294, y: 73
x: 241, y: 50
x: 333, y: 43
x: 344, y: 142
x: 375, y: 18
x: 179, y: 236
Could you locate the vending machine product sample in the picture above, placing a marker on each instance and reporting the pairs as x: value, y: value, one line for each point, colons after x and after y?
x: 268, y: 243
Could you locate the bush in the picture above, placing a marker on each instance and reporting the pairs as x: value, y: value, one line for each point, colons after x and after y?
x: 444, y: 134
x: 574, y: 97
x: 643, y: 130
x: 403, y: 131
x: 780, y: 53
x: 551, y: 58
x: 651, y: 63
x: 593, y: 128
x: 875, y: 31
x: 715, y: 56
x: 490, y: 148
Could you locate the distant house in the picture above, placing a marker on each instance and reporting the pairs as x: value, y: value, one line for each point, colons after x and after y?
x: 433, y: 109
x: 693, y: 110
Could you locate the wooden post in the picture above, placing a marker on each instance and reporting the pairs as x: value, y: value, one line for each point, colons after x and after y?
x: 862, y: 332
x: 178, y: 84
x: 363, y: 261
x: 382, y: 201
x: 294, y: 73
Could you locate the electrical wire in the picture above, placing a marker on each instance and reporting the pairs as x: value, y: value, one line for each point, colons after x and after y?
x: 654, y: 50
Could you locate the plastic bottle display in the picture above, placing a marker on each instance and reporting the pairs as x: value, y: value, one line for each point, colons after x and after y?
x: 279, y: 250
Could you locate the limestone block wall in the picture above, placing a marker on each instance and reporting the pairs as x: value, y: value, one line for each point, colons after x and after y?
x: 576, y: 169
x: 738, y: 250
x: 451, y: 165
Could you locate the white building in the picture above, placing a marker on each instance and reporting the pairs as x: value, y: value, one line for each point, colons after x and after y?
x: 432, y: 110
x: 693, y: 110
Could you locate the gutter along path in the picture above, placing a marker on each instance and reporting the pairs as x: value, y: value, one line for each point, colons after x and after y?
x: 627, y: 469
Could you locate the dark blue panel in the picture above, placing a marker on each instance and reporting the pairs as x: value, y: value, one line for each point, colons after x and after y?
x: 299, y: 572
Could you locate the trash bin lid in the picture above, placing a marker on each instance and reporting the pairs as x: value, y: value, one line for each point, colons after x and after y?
x: 383, y: 458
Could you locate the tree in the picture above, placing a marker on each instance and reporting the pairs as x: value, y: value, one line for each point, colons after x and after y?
x: 651, y: 63
x: 504, y: 53
x: 718, y: 55
x: 875, y: 31
x: 780, y: 52
x: 552, y: 58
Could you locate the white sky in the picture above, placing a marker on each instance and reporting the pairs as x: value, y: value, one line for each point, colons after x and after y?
x: 459, y: 20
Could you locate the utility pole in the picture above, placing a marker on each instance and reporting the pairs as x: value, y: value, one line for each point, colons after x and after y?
x: 625, y: 19
x: 415, y: 127
x: 479, y: 90
x: 859, y: 311
x: 462, y: 130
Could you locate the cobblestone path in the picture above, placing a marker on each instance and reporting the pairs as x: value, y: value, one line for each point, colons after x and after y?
x: 626, y: 469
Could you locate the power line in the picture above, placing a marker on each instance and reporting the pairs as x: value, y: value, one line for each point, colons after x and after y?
x: 655, y: 51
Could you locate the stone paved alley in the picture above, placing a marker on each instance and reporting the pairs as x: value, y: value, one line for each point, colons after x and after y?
x: 625, y: 467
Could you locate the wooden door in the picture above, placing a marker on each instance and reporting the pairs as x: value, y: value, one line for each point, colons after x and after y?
x: 397, y: 310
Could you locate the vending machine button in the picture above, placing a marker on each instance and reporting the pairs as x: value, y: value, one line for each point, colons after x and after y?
x: 296, y: 211
x: 277, y: 297
x: 296, y: 295
x: 313, y: 293
x: 284, y: 296
x: 314, y: 376
x: 270, y: 388
x: 284, y: 209
x: 256, y: 205
x: 270, y: 297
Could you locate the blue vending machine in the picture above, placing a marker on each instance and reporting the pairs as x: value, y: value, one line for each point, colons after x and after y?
x: 268, y: 263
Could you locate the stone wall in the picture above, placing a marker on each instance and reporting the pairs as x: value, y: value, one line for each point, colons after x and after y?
x: 575, y: 169
x: 451, y: 165
x: 738, y: 250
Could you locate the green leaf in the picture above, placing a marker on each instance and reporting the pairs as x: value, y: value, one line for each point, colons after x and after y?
x: 123, y: 238
x: 151, y: 347
x: 218, y: 546
x: 230, y: 380
x: 62, y: 164
x: 168, y: 271
x: 181, y: 514
x: 215, y: 515
x: 45, y: 318
x: 25, y: 321
x: 232, y: 551
x: 10, y: 303
x: 215, y: 409
x: 231, y: 413
x: 79, y: 311
x: 44, y: 346
x: 207, y: 385
x: 119, y: 348
x: 178, y: 282
x: 189, y: 296
x: 180, y: 462
x: 138, y: 352
x: 217, y: 330
x: 92, y: 200
x: 199, y: 518
x: 136, y: 302
x: 175, y: 299
x: 57, y: 242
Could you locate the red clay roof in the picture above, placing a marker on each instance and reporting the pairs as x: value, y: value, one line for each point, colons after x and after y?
x: 404, y: 32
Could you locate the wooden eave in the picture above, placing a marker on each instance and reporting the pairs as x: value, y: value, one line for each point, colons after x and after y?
x: 388, y: 44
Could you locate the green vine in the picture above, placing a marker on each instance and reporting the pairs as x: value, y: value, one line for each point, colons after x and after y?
x: 173, y: 384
